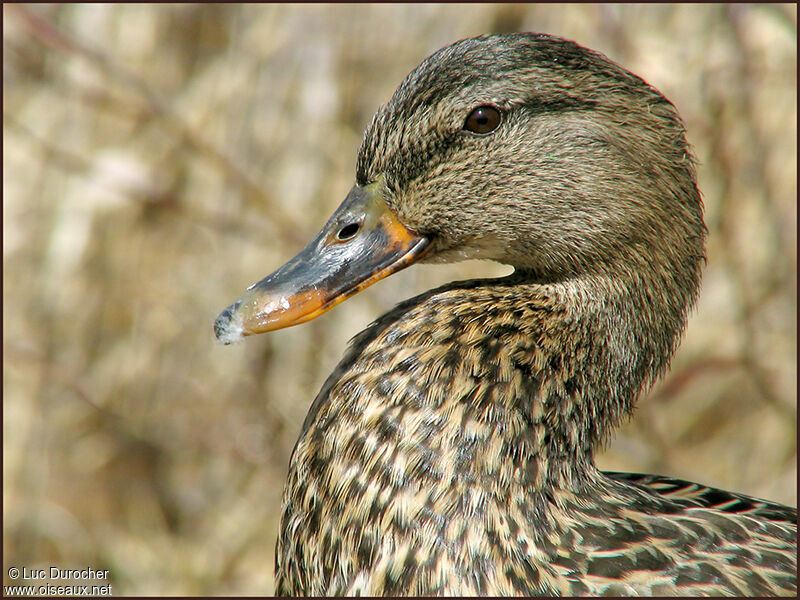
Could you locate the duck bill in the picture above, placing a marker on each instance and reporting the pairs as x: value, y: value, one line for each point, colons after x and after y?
x: 362, y: 243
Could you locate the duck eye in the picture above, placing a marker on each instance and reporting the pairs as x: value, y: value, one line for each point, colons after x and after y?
x: 483, y: 120
x: 347, y: 232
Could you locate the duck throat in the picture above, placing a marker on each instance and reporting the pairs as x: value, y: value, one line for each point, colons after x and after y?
x: 503, y: 379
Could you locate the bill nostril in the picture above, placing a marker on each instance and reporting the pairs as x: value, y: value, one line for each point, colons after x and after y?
x: 348, y: 232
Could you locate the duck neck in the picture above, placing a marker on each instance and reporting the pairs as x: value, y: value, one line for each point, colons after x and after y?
x: 537, y: 375
x: 595, y: 343
x: 504, y: 384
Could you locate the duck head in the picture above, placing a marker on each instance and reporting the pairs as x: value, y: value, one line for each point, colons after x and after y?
x: 525, y: 149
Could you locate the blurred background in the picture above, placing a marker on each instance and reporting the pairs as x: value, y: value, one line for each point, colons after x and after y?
x: 159, y: 159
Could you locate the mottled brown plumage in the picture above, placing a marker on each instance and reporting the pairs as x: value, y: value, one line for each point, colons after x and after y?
x: 451, y: 451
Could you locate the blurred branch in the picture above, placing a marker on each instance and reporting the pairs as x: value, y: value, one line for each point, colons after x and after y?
x: 153, y: 196
x: 113, y: 422
x: 759, y: 152
x: 680, y: 379
x: 65, y: 158
x: 49, y: 35
x: 753, y: 298
x: 25, y: 357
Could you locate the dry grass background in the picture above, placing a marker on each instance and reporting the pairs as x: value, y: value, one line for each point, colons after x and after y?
x: 158, y: 159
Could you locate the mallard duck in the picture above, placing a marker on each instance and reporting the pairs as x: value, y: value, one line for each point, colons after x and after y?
x: 451, y: 451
